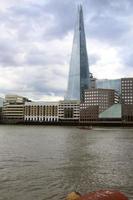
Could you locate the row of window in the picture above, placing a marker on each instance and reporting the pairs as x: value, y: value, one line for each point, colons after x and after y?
x: 127, y: 80
x: 41, y: 119
x: 46, y: 111
x: 127, y: 96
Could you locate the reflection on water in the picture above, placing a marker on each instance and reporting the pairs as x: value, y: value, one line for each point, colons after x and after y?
x: 44, y: 162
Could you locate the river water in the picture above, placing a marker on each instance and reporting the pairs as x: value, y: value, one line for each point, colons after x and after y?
x: 48, y: 162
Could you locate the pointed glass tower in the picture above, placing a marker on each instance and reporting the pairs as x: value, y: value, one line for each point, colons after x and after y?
x: 79, y: 68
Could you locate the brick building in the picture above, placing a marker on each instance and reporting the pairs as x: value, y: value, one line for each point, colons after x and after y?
x: 127, y: 99
x: 97, y: 101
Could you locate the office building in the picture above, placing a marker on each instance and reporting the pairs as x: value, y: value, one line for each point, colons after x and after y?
x: 69, y: 110
x: 79, y: 79
x: 41, y: 112
x: 104, y: 98
x: 13, y: 109
x: 97, y: 101
x: 127, y: 98
x: 1, y: 106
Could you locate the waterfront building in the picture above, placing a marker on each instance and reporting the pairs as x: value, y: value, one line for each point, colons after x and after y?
x: 96, y: 101
x: 69, y: 110
x: 41, y: 112
x: 114, y: 84
x: 79, y: 78
x: 104, y: 98
x: 1, y: 106
x: 13, y: 109
x: 127, y: 98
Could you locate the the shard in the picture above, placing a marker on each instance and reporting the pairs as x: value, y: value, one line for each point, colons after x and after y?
x: 79, y: 78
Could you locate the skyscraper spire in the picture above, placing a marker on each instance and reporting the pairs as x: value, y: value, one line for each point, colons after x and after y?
x: 79, y: 69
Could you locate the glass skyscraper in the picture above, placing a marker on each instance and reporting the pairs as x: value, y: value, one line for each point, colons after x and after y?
x: 79, y: 79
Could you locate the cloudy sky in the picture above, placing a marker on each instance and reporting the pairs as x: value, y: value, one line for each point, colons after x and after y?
x: 36, y: 41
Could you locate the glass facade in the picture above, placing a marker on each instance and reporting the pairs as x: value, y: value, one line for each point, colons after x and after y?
x: 79, y: 68
x: 68, y: 112
x: 113, y: 112
x: 114, y: 84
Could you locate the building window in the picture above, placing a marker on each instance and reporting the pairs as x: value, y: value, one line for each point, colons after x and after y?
x: 68, y: 113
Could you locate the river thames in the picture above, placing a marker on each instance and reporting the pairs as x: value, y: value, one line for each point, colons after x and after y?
x: 48, y: 162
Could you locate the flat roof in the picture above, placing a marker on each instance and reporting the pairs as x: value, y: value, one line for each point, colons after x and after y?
x: 41, y: 103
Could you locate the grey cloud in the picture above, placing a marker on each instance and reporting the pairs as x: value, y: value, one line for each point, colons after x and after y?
x: 29, y: 22
x: 128, y: 59
x: 28, y: 10
x: 34, y: 81
x: 7, y: 60
x: 93, y: 59
x: 8, y: 52
x: 45, y: 82
x: 33, y: 16
x: 64, y: 13
x: 107, y: 29
x: 45, y: 89
x: 108, y: 21
x: 111, y: 8
x: 43, y: 58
